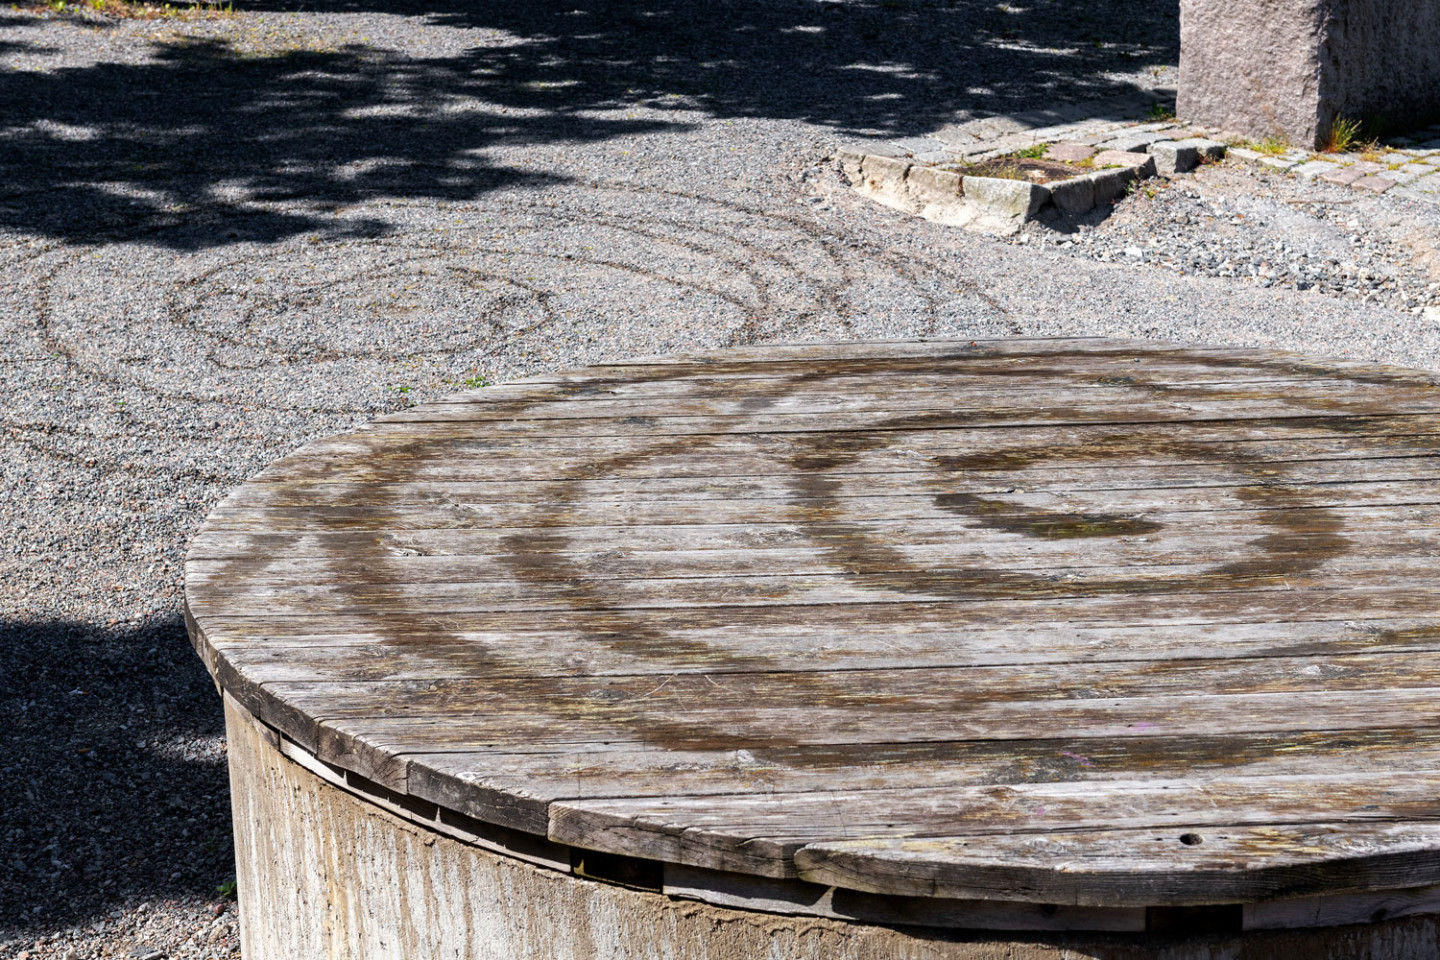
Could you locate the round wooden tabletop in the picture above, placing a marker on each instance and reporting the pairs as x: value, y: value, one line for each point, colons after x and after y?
x: 1083, y: 622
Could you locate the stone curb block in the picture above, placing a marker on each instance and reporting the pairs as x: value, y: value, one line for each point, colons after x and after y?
x: 1142, y: 163
x: 1006, y: 198
x: 1113, y: 184
x: 1175, y: 156
x: 999, y: 205
x: 1074, y: 196
x: 1209, y: 149
x: 931, y: 182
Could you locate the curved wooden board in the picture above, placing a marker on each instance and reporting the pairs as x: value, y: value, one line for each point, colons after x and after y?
x: 980, y: 620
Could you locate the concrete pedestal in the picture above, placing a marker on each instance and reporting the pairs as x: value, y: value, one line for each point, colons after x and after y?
x: 327, y: 873
x: 1290, y: 68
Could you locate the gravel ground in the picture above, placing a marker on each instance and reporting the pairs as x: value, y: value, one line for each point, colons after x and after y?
x: 1233, y: 221
x: 222, y: 237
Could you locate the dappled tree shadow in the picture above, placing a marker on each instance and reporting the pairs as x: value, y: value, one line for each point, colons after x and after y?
x: 104, y: 796
x: 238, y: 146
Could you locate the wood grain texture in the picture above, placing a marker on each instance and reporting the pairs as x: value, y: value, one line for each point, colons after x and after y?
x: 975, y: 621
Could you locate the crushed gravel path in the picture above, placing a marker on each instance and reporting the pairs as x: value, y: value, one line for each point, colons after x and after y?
x: 220, y: 238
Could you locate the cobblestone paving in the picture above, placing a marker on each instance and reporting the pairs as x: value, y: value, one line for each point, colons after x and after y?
x: 1408, y: 166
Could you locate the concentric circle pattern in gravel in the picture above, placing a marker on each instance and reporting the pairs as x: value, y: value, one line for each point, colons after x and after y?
x: 222, y: 237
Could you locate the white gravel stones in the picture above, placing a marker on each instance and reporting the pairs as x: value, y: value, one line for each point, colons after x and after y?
x: 1240, y: 226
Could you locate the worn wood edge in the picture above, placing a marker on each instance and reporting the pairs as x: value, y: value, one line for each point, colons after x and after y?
x: 737, y: 891
x: 805, y: 897
x: 493, y: 837
x: 1140, y: 867
x: 800, y: 897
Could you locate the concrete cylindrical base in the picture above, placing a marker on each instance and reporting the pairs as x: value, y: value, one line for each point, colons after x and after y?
x: 324, y: 873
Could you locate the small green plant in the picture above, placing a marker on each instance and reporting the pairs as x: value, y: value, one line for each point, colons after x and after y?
x: 1160, y: 111
x: 1344, y: 134
x: 1033, y: 152
x: 1273, y: 145
x: 226, y: 890
x: 475, y: 383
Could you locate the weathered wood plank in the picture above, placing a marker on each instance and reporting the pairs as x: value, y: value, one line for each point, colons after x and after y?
x: 632, y: 557
x: 1341, y: 909
x: 260, y: 500
x: 269, y: 649
x: 947, y: 453
x: 549, y: 771
x: 1132, y: 867
x: 1407, y: 525
x: 778, y: 406
x: 796, y: 897
x: 462, y: 439
x: 961, y: 508
x: 1366, y: 589
x: 346, y: 731
x: 764, y: 832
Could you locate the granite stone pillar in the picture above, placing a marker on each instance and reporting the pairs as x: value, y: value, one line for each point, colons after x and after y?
x: 1290, y: 68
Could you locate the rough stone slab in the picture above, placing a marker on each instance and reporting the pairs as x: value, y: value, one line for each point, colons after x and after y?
x: 1112, y: 184
x: 1245, y: 153
x: 1419, y: 169
x: 1343, y: 176
x: 1154, y: 126
x: 1142, y: 163
x: 932, y: 180
x: 1070, y: 152
x: 1134, y: 142
x: 1277, y: 163
x: 919, y: 144
x: 1172, y: 157
x: 992, y: 127
x: 888, y: 170
x: 1368, y: 166
x: 1073, y: 196
x: 1373, y: 184
x: 1033, y: 119
x: 1209, y: 149
x: 1404, y: 176
x: 1007, y: 198
x: 1314, y: 169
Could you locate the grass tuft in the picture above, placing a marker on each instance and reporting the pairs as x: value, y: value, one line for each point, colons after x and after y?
x: 1344, y: 134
